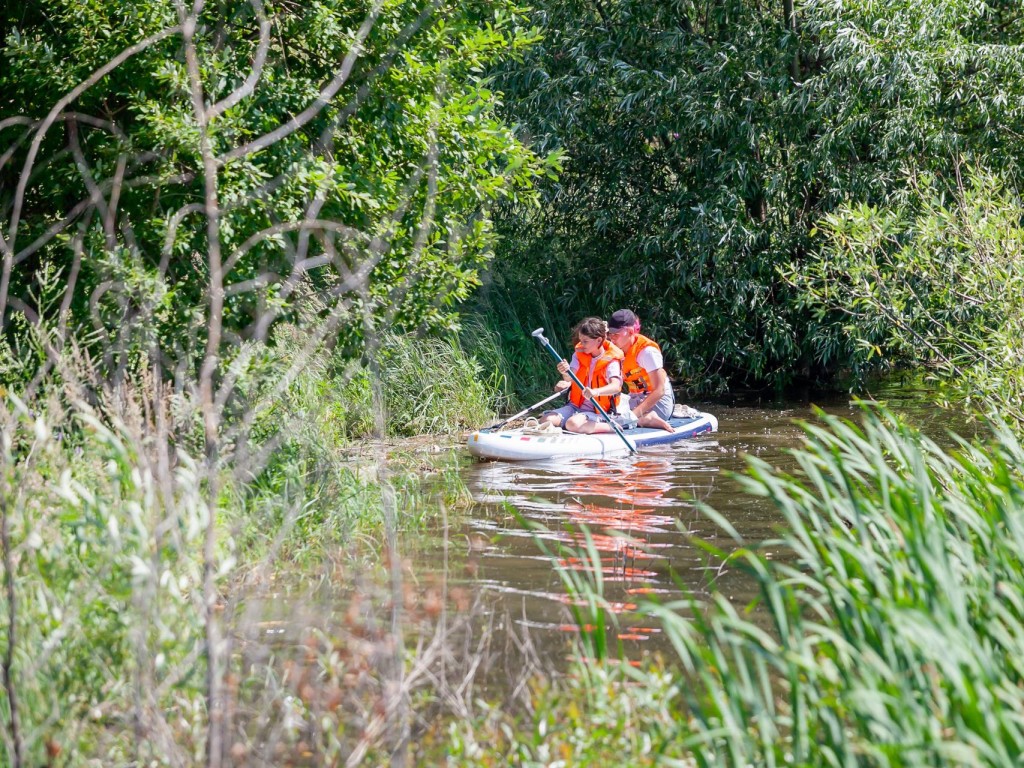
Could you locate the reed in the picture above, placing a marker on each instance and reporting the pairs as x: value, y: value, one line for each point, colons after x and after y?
x: 103, y: 617
x: 581, y: 571
x: 426, y: 385
x: 503, y: 320
x: 891, y: 631
x: 596, y: 715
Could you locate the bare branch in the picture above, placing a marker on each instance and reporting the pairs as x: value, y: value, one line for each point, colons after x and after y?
x: 246, y: 89
x: 7, y: 245
x: 7, y: 665
x: 327, y: 93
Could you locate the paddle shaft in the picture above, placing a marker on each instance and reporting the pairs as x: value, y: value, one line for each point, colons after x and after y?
x: 539, y: 335
x: 523, y: 412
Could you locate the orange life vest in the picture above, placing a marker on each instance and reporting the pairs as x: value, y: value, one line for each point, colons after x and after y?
x: 594, y: 378
x: 634, y: 375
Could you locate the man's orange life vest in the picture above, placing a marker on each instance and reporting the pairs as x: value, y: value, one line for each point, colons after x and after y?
x: 634, y: 376
x: 594, y: 377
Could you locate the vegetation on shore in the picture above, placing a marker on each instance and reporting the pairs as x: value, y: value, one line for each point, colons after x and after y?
x: 103, y: 523
x: 243, y: 243
x: 706, y: 142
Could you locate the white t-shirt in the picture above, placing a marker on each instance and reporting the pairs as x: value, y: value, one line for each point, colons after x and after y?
x: 650, y: 359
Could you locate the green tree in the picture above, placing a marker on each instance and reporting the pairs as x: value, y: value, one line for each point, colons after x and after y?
x: 705, y: 140
x: 937, y: 283
x: 199, y: 200
x: 333, y: 159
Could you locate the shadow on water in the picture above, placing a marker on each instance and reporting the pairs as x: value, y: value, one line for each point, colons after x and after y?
x: 642, y: 512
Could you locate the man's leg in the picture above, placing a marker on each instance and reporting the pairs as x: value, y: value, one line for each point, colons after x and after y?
x: 653, y: 420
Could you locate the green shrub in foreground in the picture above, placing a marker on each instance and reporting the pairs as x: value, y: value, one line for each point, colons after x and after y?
x: 103, y: 519
x: 896, y: 632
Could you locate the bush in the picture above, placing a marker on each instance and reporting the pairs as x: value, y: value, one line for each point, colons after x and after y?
x: 895, y: 626
x: 936, y: 283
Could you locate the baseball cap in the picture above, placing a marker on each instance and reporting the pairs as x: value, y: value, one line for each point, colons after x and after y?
x: 623, y: 318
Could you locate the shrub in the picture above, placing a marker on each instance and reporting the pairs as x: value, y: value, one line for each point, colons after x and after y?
x: 890, y: 631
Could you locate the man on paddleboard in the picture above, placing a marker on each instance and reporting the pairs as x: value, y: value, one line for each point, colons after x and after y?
x: 643, y: 369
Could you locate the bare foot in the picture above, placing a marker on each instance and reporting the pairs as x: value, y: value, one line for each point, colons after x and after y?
x: 654, y: 420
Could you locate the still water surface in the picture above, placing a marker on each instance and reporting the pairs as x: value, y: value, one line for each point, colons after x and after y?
x: 641, y: 512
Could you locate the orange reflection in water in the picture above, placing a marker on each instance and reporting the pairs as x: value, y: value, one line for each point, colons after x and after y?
x: 618, y: 504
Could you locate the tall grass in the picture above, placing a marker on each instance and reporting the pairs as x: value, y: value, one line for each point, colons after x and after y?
x: 103, y: 614
x: 581, y: 571
x: 597, y: 715
x: 889, y: 629
x: 426, y: 385
x: 499, y: 326
x: 892, y: 633
x: 433, y: 385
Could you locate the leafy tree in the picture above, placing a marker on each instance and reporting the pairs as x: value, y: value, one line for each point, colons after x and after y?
x: 328, y: 159
x: 916, y: 92
x: 937, y: 283
x: 705, y: 140
x: 200, y: 199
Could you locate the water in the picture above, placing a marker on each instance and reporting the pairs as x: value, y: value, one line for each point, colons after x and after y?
x: 482, y: 607
x: 641, y: 512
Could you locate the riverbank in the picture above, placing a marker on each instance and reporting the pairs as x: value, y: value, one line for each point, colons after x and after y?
x: 336, y: 644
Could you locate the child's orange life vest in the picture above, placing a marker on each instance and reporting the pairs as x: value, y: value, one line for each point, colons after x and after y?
x: 594, y: 376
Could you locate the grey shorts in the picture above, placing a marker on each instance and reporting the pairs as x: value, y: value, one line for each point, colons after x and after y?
x: 569, y: 410
x: 663, y: 408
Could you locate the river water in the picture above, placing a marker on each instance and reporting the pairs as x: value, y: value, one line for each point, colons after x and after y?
x: 481, y: 609
x: 528, y: 524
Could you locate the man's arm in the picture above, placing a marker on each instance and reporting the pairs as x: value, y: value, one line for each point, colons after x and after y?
x: 659, y: 380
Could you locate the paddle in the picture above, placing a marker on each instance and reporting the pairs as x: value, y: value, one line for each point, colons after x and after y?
x: 523, y: 412
x: 539, y: 336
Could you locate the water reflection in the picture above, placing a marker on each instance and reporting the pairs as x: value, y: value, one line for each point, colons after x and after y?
x: 632, y: 508
x: 641, y: 512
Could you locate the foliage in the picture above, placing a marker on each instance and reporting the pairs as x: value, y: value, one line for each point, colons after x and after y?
x: 889, y: 629
x: 917, y: 86
x: 597, y: 715
x: 894, y: 624
x: 211, y: 212
x: 704, y: 141
x: 661, y: 205
x: 936, y: 282
x: 102, y: 585
x: 102, y: 552
x: 503, y: 323
x: 433, y: 386
x: 355, y: 149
